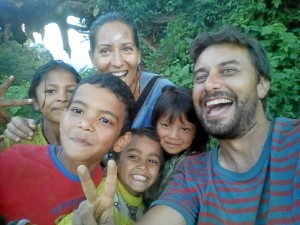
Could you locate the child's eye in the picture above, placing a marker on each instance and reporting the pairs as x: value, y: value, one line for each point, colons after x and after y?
x: 50, y: 91
x: 153, y: 161
x: 165, y: 125
x: 134, y: 157
x: 76, y: 110
x: 105, y: 120
x: 185, y: 129
x: 70, y: 91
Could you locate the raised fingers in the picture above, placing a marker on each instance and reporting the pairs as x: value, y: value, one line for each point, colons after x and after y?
x: 87, y: 184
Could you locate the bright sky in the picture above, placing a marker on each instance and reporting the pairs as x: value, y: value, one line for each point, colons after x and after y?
x: 79, y: 46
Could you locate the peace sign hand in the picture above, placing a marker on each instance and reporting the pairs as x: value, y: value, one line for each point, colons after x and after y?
x: 96, y: 210
x: 4, y: 116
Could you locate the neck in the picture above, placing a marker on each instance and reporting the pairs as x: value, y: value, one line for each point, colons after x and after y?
x: 51, y: 132
x: 241, y: 154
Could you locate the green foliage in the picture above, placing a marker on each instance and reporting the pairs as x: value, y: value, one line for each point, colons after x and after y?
x: 22, y: 60
x: 274, y: 23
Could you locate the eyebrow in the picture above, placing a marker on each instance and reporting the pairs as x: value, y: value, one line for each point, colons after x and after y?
x: 141, y: 151
x: 233, y: 61
x: 101, y: 111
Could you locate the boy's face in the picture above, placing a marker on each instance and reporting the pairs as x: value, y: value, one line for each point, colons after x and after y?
x: 91, y: 125
x: 139, y: 163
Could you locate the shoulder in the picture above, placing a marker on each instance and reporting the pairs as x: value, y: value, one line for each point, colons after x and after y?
x: 147, y: 76
x: 286, y: 127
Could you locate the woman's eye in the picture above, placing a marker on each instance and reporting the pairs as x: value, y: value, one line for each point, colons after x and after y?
x: 128, y: 49
x: 104, y: 51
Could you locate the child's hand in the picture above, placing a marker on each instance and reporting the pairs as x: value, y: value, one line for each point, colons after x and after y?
x: 19, y: 128
x: 4, y: 116
x: 97, y: 209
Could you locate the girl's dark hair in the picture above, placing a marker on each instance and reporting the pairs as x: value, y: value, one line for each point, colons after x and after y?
x: 119, y: 88
x: 177, y: 102
x: 43, y: 70
x: 108, y: 18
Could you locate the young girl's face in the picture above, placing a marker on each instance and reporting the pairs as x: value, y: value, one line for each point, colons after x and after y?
x: 177, y: 136
x: 53, y: 93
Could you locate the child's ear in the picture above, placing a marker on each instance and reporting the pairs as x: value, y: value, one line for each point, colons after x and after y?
x: 122, y: 142
x: 36, y: 105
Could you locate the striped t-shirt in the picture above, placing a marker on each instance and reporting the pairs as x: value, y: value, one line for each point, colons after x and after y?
x: 205, y: 193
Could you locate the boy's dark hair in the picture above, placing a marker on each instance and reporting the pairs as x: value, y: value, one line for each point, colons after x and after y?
x: 119, y: 88
x: 43, y: 70
x: 149, y: 132
x: 230, y: 35
x: 107, y: 18
x: 177, y: 102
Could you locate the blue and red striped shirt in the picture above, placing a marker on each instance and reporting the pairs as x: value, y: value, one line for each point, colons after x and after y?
x: 269, y: 193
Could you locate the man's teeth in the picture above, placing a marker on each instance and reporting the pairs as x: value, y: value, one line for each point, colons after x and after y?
x: 217, y: 101
x: 139, y: 178
x: 119, y: 74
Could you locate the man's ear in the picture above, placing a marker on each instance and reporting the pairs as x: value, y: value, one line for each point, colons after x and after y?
x: 122, y: 142
x: 263, y: 87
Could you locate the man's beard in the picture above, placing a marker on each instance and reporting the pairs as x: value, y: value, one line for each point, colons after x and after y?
x: 239, y: 123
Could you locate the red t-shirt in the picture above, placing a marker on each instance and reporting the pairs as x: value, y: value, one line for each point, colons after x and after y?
x: 36, y: 186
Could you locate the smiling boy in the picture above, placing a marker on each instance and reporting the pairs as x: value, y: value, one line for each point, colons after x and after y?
x: 40, y: 183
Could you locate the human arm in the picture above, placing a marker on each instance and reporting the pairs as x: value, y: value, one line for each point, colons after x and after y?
x: 96, y: 209
x: 162, y: 215
x: 4, y: 116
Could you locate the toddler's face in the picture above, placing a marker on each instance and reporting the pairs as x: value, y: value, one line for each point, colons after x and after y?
x: 177, y: 136
x: 139, y: 164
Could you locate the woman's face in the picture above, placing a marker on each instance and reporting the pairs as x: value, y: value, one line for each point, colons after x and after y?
x: 115, y: 52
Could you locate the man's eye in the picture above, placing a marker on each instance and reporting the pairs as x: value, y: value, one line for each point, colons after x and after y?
x: 200, y: 78
x: 229, y: 71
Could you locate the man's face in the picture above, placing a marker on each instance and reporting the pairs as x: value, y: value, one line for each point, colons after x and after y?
x: 92, y: 124
x: 226, y: 93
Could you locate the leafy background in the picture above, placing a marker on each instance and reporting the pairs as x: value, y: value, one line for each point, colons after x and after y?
x: 166, y: 30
